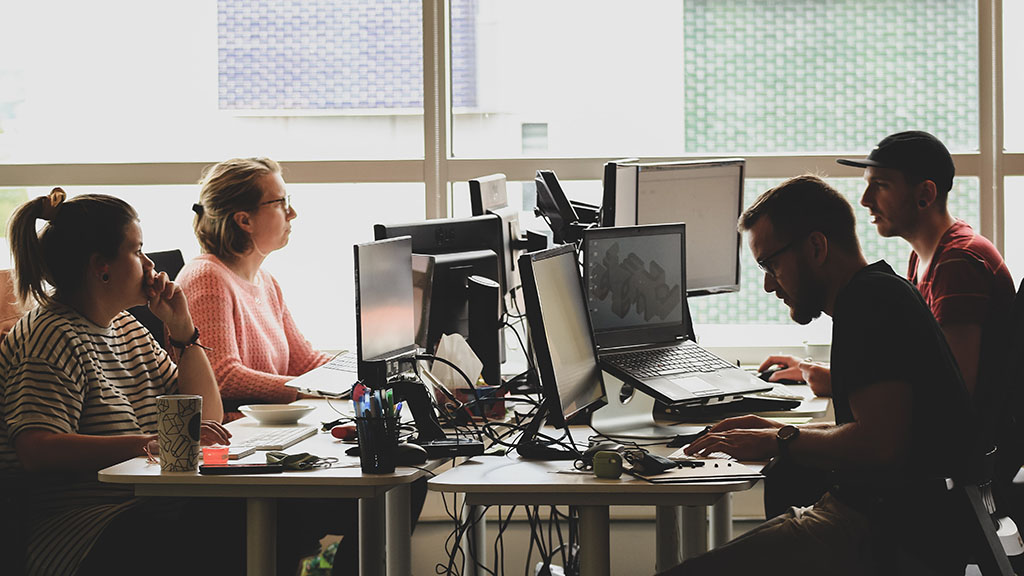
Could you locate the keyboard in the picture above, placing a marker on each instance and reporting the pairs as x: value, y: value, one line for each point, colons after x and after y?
x: 779, y: 393
x: 278, y: 438
x: 685, y: 359
x: 344, y: 362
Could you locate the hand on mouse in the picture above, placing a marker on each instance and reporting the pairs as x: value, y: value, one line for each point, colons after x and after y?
x: 817, y: 376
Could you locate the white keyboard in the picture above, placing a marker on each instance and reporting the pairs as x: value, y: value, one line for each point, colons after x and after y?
x: 278, y: 438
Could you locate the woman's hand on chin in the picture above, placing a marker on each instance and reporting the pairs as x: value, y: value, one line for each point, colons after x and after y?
x: 168, y: 303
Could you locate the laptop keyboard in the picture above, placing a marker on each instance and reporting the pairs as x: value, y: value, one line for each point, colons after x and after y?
x: 343, y: 362
x: 279, y: 438
x: 685, y: 359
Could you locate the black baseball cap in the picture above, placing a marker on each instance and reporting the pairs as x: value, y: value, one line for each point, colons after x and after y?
x: 917, y: 154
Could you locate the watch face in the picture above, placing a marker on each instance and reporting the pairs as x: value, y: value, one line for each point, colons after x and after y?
x: 788, y: 432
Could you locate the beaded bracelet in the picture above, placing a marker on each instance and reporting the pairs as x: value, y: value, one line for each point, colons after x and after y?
x: 194, y: 341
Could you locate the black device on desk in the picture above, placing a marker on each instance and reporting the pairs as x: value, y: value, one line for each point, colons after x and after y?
x: 571, y: 382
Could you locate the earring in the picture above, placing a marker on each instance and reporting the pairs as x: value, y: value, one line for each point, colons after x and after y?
x: 105, y: 277
x: 922, y: 203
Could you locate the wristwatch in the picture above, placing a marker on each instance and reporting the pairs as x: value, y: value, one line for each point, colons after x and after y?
x: 785, y: 436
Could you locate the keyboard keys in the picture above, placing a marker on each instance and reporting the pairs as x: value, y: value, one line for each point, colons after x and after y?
x: 278, y: 438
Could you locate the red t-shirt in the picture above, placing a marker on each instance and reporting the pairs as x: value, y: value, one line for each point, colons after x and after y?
x: 968, y: 282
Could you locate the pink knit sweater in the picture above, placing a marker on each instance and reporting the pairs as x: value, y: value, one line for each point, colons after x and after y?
x: 255, y: 345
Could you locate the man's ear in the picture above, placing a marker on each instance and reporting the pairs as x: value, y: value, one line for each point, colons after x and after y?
x: 819, y: 247
x: 243, y: 220
x: 925, y: 193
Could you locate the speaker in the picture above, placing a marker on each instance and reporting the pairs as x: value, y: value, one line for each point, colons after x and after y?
x: 485, y: 333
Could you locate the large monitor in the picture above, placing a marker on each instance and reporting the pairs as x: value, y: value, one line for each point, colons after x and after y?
x: 385, y: 309
x: 560, y: 332
x: 706, y: 195
x: 461, y: 248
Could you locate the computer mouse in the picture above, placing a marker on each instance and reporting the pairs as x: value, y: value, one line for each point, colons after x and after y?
x: 767, y: 374
x: 407, y: 454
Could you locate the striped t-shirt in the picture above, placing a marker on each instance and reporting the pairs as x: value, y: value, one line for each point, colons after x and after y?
x: 60, y: 372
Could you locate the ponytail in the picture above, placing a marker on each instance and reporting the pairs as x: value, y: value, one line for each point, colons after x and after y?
x: 58, y: 256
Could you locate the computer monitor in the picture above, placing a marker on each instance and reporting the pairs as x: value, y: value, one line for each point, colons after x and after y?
x: 706, y: 195
x: 560, y: 330
x: 489, y: 195
x: 461, y: 248
x: 385, y: 309
x: 555, y: 207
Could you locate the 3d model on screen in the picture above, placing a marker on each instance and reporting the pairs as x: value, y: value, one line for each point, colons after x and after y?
x: 630, y: 282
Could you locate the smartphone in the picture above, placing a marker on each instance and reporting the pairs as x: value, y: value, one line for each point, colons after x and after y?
x: 241, y: 469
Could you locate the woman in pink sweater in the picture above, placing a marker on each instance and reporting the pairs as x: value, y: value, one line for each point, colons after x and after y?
x: 244, y: 213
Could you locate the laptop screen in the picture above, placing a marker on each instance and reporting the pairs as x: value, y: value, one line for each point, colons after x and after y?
x: 635, y: 283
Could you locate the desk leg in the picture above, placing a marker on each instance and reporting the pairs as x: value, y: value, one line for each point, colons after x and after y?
x: 260, y: 536
x: 399, y: 526
x: 669, y: 530
x: 474, y: 545
x: 595, y: 541
x: 372, y: 536
x: 695, y: 531
x: 721, y: 521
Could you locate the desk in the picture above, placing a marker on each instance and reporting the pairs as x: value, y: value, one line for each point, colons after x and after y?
x: 384, y: 515
x: 501, y: 480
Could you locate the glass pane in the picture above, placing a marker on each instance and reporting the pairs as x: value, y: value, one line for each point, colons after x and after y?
x: 712, y: 76
x: 314, y: 270
x: 1013, y: 77
x: 1014, y: 237
x: 314, y: 79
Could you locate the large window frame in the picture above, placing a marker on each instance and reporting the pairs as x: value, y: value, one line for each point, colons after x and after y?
x: 439, y: 169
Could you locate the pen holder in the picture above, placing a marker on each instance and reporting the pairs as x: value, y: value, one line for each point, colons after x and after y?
x: 378, y: 443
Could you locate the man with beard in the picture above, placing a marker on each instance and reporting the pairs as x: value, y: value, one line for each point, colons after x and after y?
x: 903, y: 414
x: 960, y: 274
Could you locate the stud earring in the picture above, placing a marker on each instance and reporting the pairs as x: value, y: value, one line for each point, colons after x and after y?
x: 922, y: 203
x: 105, y: 277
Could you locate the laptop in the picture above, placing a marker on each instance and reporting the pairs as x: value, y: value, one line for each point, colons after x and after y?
x: 635, y: 283
x: 333, y: 379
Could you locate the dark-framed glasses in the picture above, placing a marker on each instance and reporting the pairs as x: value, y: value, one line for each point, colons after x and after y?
x: 286, y: 203
x: 765, y: 264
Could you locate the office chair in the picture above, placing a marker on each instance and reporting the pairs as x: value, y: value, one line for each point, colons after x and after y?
x: 994, y: 540
x: 171, y: 262
x: 13, y: 525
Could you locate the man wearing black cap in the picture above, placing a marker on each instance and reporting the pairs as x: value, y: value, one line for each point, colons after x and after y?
x: 960, y: 273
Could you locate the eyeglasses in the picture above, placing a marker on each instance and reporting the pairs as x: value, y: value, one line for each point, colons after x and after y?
x: 286, y: 203
x: 765, y: 264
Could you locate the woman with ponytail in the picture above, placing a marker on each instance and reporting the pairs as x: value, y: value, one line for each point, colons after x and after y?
x: 79, y: 377
x: 244, y: 213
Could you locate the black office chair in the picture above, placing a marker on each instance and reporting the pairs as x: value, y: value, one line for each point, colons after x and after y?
x: 171, y: 262
x: 14, y: 523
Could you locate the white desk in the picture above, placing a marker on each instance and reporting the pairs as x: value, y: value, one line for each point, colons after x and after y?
x: 496, y: 480
x: 384, y: 509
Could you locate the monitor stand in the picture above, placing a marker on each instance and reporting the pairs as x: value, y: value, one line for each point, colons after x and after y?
x: 631, y: 415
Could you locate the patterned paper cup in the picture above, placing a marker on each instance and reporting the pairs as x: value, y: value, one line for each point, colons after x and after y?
x: 178, y: 419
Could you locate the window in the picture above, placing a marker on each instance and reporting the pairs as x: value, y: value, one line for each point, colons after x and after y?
x: 340, y: 87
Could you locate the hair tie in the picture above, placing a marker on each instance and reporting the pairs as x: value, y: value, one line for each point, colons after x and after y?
x: 49, y: 204
x: 198, y: 209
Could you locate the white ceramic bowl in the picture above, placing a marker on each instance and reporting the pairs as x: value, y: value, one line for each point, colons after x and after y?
x: 276, y: 413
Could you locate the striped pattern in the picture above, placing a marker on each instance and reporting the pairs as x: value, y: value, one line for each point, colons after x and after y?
x: 255, y: 345
x: 60, y: 372
x: 967, y: 281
